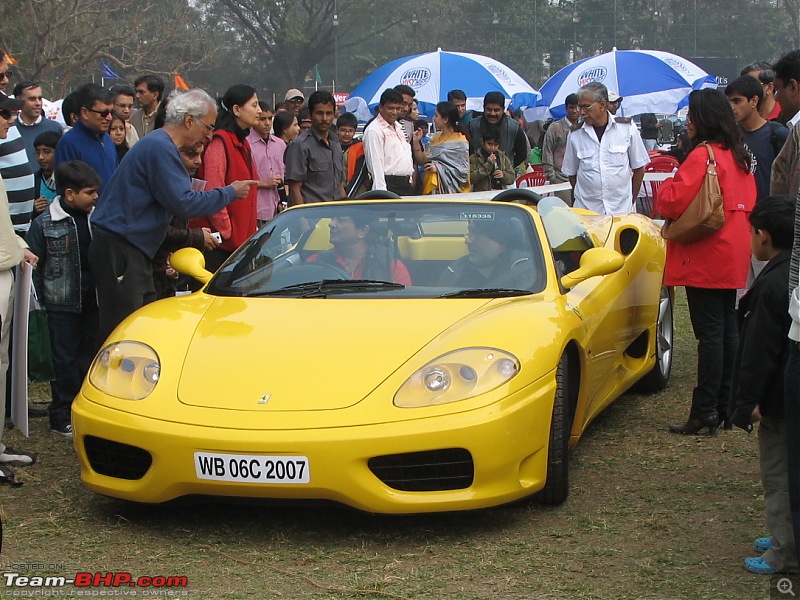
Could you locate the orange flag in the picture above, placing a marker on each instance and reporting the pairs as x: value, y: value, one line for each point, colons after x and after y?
x: 180, y: 84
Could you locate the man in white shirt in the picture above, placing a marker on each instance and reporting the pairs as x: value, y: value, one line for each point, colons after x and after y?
x: 601, y: 154
x: 386, y: 151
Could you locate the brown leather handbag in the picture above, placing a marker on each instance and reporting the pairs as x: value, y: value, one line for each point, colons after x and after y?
x: 705, y: 213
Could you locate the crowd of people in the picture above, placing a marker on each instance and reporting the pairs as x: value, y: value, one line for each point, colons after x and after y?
x: 159, y: 173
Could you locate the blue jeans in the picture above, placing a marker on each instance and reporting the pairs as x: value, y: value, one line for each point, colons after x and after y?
x: 73, y: 339
x: 713, y: 316
x: 791, y: 398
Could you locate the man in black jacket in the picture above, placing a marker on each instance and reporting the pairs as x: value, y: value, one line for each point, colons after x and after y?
x: 512, y: 137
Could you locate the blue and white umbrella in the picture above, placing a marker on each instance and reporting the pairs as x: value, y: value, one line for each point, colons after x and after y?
x: 648, y: 81
x: 434, y: 74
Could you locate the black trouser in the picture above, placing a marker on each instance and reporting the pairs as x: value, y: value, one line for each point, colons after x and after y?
x: 123, y: 276
x: 791, y: 399
x: 400, y: 184
x: 713, y: 316
x: 73, y: 339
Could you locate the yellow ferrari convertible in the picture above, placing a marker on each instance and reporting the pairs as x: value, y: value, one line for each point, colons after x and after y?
x: 396, y: 356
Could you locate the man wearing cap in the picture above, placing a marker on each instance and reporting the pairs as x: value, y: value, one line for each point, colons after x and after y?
x: 13, y: 250
x: 601, y: 154
x: 614, y: 100
x: 491, y: 260
x: 293, y: 101
x: 16, y: 171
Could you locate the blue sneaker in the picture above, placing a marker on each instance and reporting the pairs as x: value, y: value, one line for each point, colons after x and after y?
x: 759, y: 566
x: 762, y: 544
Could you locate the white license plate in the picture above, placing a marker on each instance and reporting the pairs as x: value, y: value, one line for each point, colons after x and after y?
x: 243, y: 468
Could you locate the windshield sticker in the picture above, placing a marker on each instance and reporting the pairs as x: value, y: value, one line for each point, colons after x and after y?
x: 477, y: 216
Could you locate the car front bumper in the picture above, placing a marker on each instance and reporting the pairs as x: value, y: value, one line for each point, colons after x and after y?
x: 506, y: 443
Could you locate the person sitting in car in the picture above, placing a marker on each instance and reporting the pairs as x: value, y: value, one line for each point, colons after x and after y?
x: 492, y: 260
x: 357, y: 251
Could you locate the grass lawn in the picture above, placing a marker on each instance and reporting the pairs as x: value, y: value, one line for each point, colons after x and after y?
x: 650, y: 515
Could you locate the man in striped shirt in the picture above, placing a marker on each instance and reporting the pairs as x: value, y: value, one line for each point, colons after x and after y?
x: 16, y: 171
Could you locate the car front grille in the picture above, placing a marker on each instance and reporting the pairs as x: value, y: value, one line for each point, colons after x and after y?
x: 428, y: 471
x: 115, y: 459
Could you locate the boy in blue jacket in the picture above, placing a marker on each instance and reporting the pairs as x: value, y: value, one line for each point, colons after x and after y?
x: 65, y: 286
x: 757, y: 386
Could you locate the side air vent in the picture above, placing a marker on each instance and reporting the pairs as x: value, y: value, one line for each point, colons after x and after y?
x: 628, y: 238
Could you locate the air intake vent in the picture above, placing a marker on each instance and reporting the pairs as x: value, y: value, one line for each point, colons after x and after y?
x: 116, y: 460
x: 429, y: 471
x: 628, y: 238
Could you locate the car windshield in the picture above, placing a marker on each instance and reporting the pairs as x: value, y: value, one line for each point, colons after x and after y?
x: 388, y: 249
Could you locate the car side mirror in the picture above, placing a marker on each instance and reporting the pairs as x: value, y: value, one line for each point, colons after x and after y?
x: 594, y: 262
x: 191, y: 262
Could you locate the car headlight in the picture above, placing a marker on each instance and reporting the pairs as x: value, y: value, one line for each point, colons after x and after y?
x: 457, y: 375
x: 127, y: 370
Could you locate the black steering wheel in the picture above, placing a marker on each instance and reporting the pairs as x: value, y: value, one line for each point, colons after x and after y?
x: 523, y: 195
x: 378, y: 195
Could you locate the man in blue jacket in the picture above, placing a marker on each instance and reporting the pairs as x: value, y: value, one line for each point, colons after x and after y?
x: 88, y: 140
x: 151, y: 186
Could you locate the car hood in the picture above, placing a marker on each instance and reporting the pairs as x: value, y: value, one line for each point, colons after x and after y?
x: 311, y: 354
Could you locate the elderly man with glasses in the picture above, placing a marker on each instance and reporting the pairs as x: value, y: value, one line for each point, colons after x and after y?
x: 605, y: 158
x: 151, y: 186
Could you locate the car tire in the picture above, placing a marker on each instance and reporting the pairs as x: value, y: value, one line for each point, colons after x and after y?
x: 656, y: 380
x: 556, y: 487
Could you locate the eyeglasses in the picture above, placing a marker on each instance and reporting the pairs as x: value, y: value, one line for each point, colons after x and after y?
x: 104, y: 114
x: 124, y: 104
x: 7, y: 74
x: 209, y: 128
x: 586, y: 106
x: 7, y: 114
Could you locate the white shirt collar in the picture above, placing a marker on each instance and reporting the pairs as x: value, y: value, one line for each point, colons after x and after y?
x: 36, y: 122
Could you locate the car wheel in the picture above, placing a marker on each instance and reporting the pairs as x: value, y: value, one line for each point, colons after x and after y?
x: 556, y: 488
x: 656, y: 379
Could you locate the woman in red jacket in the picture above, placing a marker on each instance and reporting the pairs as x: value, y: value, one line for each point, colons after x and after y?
x: 227, y: 159
x: 713, y: 268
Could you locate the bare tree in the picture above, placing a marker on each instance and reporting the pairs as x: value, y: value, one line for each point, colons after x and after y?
x: 62, y: 43
x: 296, y: 35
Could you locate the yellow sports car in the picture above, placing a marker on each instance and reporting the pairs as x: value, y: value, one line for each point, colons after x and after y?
x: 397, y: 356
